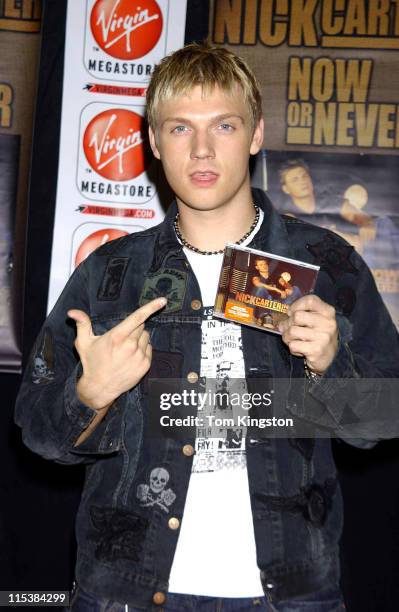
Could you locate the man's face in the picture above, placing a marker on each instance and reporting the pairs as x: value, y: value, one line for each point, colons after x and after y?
x: 297, y: 183
x: 262, y: 266
x: 204, y: 143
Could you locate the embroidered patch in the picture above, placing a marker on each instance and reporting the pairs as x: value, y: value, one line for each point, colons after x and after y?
x: 348, y: 417
x: 345, y: 300
x: 169, y: 283
x: 165, y: 364
x: 155, y: 493
x: 111, y: 284
x: 118, y: 534
x: 319, y: 502
x: 314, y: 502
x: 43, y: 360
x: 333, y: 257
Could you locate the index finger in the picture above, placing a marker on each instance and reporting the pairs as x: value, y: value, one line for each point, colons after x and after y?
x: 313, y: 303
x: 139, y: 316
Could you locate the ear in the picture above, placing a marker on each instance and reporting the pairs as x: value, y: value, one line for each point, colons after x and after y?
x: 257, y: 138
x: 153, y: 144
x: 285, y: 189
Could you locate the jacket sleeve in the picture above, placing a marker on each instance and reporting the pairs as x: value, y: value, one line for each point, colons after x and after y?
x: 48, y: 409
x: 356, y: 399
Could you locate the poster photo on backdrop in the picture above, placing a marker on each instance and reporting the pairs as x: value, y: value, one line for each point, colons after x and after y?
x: 353, y: 195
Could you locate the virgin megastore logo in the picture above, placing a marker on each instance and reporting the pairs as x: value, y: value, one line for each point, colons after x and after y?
x: 124, y: 29
x: 114, y: 161
x: 113, y: 144
x: 125, y: 38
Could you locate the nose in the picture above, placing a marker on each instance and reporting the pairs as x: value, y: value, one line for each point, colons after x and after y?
x: 202, y: 145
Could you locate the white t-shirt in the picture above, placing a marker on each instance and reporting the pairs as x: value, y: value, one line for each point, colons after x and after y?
x: 215, y: 554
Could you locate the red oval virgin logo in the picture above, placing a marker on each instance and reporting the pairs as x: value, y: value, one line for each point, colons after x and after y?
x: 113, y: 144
x: 126, y: 29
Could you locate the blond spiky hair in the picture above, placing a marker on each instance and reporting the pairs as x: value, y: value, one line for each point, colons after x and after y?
x: 202, y: 64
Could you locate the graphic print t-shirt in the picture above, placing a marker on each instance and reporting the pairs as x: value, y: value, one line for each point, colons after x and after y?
x: 216, y: 553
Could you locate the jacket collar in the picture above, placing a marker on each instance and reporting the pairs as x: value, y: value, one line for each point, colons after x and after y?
x: 272, y: 235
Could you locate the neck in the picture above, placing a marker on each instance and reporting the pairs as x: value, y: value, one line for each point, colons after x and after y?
x: 307, y: 205
x: 211, y: 230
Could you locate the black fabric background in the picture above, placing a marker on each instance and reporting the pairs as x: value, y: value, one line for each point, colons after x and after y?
x: 39, y: 499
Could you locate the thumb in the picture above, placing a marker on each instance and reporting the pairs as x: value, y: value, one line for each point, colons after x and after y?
x: 83, y: 323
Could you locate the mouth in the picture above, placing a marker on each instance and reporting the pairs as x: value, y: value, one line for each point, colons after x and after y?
x: 204, y: 178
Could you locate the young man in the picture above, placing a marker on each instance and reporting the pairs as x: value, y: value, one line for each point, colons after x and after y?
x: 297, y: 183
x: 264, y: 286
x: 173, y: 524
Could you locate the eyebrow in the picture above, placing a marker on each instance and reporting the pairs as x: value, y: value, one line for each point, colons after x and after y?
x: 213, y: 119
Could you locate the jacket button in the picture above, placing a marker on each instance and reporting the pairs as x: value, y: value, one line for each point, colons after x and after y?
x: 173, y: 523
x: 196, y: 304
x: 159, y: 598
x: 188, y: 450
x: 192, y: 377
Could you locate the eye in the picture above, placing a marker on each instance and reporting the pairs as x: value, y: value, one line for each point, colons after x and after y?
x: 179, y: 129
x: 226, y: 127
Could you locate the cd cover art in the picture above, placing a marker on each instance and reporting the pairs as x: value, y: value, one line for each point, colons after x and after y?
x: 256, y: 288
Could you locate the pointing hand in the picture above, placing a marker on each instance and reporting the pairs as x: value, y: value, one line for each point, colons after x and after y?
x: 116, y: 361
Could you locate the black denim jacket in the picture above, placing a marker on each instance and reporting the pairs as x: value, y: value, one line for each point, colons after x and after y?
x: 126, y: 540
